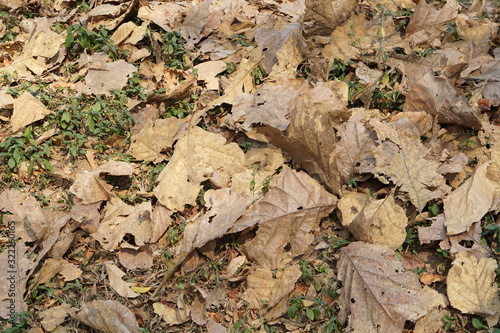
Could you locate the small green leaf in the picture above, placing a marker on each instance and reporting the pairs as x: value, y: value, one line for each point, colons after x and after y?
x: 310, y: 314
x: 478, y: 324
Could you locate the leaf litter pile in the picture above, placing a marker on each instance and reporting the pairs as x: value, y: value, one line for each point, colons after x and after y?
x: 249, y: 166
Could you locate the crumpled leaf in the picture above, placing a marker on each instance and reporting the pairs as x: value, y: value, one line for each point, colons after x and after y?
x: 27, y: 110
x: 174, y: 316
x: 378, y: 294
x: 198, y: 156
x: 121, y: 219
x: 470, y: 202
x: 269, y: 105
x: 354, y: 149
x: 438, y: 97
x: 427, y: 23
x: 112, y: 75
x: 51, y: 268
x: 265, y: 291
x: 115, y: 281
x: 89, y: 186
x: 323, y: 16
x: 54, y: 316
x: 435, y: 232
x: 373, y: 221
x: 401, y: 156
x: 471, y: 284
x: 108, y: 317
x: 205, y: 299
x: 155, y: 137
x: 286, y: 215
x: 310, y: 138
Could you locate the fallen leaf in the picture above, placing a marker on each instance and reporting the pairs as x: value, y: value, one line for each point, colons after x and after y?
x: 427, y: 23
x: 471, y: 284
x: 435, y: 232
x: 439, y: 98
x: 429, y: 279
x: 55, y: 316
x: 373, y: 221
x: 27, y: 110
x: 141, y: 258
x: 115, y: 281
x: 321, y: 17
x: 265, y: 291
x: 470, y: 202
x: 198, y: 156
x: 112, y: 75
x: 89, y: 186
x: 401, y: 156
x: 108, y: 317
x: 377, y: 293
x: 155, y: 137
x: 286, y: 216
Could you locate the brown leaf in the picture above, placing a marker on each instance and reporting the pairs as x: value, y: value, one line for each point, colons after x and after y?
x: 265, y: 291
x: 470, y: 202
x: 27, y: 110
x: 115, y: 275
x: 198, y: 156
x: 378, y: 295
x: 471, y: 284
x: 112, y: 75
x: 108, y: 317
x: 427, y: 23
x: 173, y: 316
x: 54, y: 316
x: 374, y: 221
x: 310, y: 139
x: 323, y: 16
x: 286, y: 216
x: 435, y: 232
x: 401, y: 156
x: 439, y: 98
x: 121, y: 219
x: 155, y: 137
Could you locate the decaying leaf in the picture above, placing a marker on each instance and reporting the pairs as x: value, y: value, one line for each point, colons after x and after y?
x: 323, y: 16
x: 198, y: 156
x: 286, y: 215
x: 471, y: 284
x: 112, y: 75
x: 108, y: 317
x: 470, y: 202
x: 174, y: 316
x: 373, y: 221
x: 378, y: 294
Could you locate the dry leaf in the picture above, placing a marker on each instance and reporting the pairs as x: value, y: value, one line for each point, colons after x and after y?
x: 112, y: 75
x: 155, y: 137
x: 427, y: 23
x: 435, y: 232
x: 89, y: 186
x: 378, y: 294
x: 438, y: 97
x: 432, y: 322
x: 323, y: 16
x: 115, y: 281
x: 374, y: 221
x: 265, y: 291
x: 27, y: 110
x: 470, y: 202
x: 198, y: 156
x: 401, y: 156
x: 471, y: 284
x: 121, y: 219
x: 286, y: 215
x: 141, y: 258
x: 53, y: 317
x: 174, y: 316
x: 108, y: 317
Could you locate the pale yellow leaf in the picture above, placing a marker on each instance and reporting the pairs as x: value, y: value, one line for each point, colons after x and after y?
x: 471, y: 284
